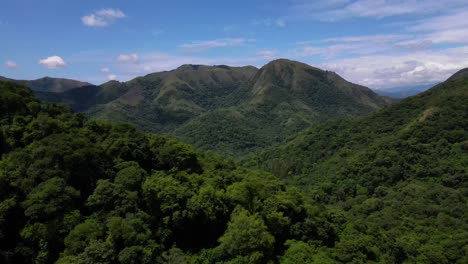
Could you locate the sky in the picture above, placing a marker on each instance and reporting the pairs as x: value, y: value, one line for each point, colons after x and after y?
x: 376, y: 43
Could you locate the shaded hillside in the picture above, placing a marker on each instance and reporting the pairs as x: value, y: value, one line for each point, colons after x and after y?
x: 228, y: 109
x: 399, y: 175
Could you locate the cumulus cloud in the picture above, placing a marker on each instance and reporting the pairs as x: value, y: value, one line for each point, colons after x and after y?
x: 105, y: 70
x: 393, y: 70
x: 102, y: 18
x: 11, y: 64
x: 217, y: 43
x: 53, y: 62
x: 111, y: 77
x: 128, y: 58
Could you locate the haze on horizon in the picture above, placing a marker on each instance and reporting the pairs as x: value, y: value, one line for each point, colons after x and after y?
x: 379, y: 44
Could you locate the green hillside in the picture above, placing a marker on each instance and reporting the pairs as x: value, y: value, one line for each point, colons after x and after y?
x: 78, y: 191
x: 232, y: 110
x: 399, y: 176
x: 285, y: 97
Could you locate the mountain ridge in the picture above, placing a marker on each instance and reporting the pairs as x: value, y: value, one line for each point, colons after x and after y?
x: 49, y: 84
x: 268, y: 104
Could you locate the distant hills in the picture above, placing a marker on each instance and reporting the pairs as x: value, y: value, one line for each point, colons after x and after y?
x: 223, y: 108
x: 48, y: 84
x: 403, y: 91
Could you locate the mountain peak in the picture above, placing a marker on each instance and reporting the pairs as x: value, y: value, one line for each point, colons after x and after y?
x: 190, y: 67
x: 288, y: 63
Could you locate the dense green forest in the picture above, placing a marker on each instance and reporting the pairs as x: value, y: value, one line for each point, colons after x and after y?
x: 400, y: 176
x: 78, y: 191
x: 388, y: 187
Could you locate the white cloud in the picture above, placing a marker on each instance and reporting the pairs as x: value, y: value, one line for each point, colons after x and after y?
x: 129, y: 58
x: 11, y: 64
x: 105, y: 70
x: 111, y: 77
x: 369, y: 38
x: 415, y: 44
x: 268, y: 22
x: 393, y: 70
x: 342, y: 49
x: 266, y: 53
x: 217, y: 43
x: 53, y: 62
x: 342, y: 9
x: 158, y: 61
x: 280, y: 23
x: 450, y: 28
x: 442, y: 22
x: 102, y: 18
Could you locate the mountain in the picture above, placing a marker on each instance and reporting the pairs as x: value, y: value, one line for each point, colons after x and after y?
x: 228, y: 109
x: 282, y: 98
x: 387, y: 187
x: 79, y: 191
x: 399, y: 176
x: 48, y: 84
x: 404, y: 91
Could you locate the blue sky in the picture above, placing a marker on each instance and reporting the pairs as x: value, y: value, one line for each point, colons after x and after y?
x: 376, y: 43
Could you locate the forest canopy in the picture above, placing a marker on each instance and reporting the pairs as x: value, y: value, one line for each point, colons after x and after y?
x: 389, y: 187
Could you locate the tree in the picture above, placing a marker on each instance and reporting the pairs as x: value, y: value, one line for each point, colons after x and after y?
x: 50, y: 199
x: 246, y: 236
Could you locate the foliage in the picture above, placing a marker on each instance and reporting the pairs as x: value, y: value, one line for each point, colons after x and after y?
x: 78, y: 191
x: 399, y: 176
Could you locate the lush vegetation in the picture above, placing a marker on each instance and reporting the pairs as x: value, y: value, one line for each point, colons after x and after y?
x: 78, y: 191
x: 389, y: 187
x: 398, y: 176
x: 233, y: 110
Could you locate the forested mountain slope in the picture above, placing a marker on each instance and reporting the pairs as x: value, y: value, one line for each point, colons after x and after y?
x: 389, y: 187
x: 227, y: 109
x: 284, y: 97
x: 78, y: 191
x: 400, y: 176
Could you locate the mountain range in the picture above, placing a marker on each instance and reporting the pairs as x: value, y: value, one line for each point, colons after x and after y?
x: 228, y: 109
x: 387, y: 186
x: 404, y: 91
x: 48, y: 84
